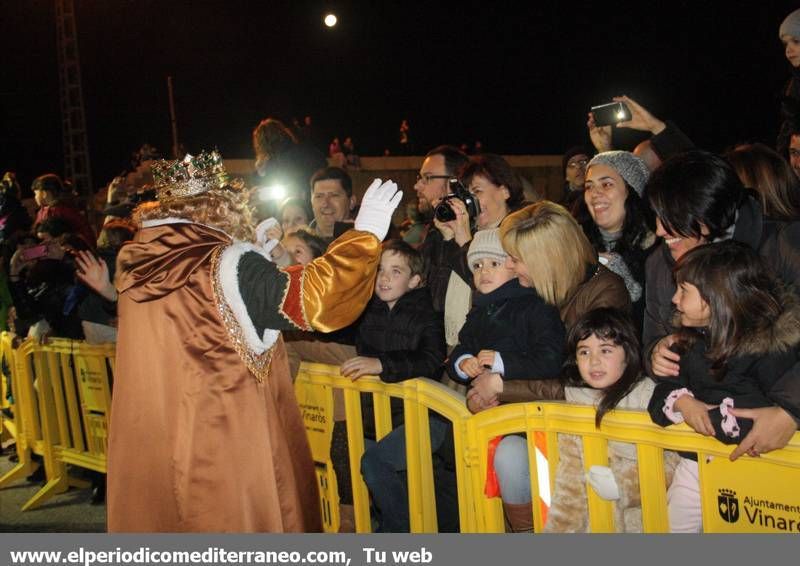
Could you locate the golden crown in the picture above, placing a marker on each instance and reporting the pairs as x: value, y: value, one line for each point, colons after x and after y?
x: 190, y: 176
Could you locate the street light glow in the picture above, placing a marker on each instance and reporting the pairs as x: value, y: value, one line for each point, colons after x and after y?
x: 330, y: 20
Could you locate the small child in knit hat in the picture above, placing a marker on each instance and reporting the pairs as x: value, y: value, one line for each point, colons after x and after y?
x: 789, y: 34
x: 510, y: 333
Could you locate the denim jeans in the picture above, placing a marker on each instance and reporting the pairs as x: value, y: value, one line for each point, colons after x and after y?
x: 511, y: 467
x: 383, y: 467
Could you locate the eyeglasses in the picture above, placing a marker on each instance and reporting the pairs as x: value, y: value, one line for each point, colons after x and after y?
x: 580, y: 163
x: 426, y: 178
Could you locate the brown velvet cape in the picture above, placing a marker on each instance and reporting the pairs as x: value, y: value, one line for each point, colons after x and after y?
x: 196, y: 442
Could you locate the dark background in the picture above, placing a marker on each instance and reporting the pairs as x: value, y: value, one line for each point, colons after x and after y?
x: 518, y: 77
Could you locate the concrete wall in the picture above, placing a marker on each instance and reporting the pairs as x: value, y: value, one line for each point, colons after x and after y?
x: 542, y: 173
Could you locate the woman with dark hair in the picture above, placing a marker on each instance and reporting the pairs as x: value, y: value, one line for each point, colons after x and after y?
x: 495, y: 185
x: 739, y: 334
x: 697, y: 198
x: 762, y: 169
x: 617, y: 221
x: 283, y: 160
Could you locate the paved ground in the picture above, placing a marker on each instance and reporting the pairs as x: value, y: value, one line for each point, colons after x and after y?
x: 68, y: 512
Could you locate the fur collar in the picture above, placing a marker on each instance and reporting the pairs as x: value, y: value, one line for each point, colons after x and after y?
x: 782, y: 336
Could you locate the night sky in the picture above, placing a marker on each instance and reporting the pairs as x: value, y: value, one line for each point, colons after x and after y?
x: 518, y: 76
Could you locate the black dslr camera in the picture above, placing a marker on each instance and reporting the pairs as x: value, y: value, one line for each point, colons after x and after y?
x: 444, y: 213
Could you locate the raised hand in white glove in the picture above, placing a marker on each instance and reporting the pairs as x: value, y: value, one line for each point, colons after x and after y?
x: 377, y: 206
x: 268, y: 234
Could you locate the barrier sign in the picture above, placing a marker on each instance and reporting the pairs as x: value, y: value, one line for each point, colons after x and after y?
x: 737, y: 500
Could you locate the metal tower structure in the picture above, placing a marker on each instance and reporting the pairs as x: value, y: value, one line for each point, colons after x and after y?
x: 73, y: 118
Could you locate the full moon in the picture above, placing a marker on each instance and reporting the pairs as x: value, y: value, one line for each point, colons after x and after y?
x: 330, y: 20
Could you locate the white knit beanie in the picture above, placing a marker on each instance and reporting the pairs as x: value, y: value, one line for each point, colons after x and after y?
x: 630, y: 167
x: 790, y: 25
x: 486, y: 243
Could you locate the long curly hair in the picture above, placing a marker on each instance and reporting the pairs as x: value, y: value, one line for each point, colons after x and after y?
x: 225, y: 208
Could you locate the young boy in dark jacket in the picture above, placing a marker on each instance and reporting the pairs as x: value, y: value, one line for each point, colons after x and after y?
x: 510, y: 332
x: 398, y: 337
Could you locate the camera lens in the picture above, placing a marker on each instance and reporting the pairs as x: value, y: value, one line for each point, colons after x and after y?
x: 443, y: 212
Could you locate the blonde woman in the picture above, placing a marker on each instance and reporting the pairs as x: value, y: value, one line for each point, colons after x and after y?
x: 550, y: 253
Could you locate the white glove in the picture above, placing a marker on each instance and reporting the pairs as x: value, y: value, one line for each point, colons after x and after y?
x: 262, y: 240
x: 601, y: 478
x: 377, y: 207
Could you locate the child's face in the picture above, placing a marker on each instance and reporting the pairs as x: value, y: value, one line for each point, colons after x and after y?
x: 600, y: 362
x: 299, y: 250
x: 292, y: 218
x: 490, y: 273
x: 394, y: 278
x: 693, y: 309
x: 792, y: 49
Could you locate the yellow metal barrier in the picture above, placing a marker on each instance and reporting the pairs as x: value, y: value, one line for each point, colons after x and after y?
x: 744, y: 496
x: 420, y: 396
x: 8, y: 427
x: 25, y: 426
x: 62, y: 398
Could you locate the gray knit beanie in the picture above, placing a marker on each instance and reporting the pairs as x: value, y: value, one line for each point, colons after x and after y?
x: 631, y: 168
x: 486, y: 243
x: 790, y: 25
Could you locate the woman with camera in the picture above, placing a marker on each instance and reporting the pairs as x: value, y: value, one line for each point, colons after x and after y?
x: 487, y: 192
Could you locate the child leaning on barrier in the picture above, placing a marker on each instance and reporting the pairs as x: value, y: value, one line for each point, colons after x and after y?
x: 740, y: 333
x: 604, y: 370
x: 398, y: 337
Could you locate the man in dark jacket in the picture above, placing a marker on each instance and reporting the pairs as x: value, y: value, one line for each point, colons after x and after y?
x: 698, y: 198
x: 440, y: 165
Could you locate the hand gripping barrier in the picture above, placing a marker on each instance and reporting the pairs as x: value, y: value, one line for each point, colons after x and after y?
x: 749, y: 495
x: 419, y: 396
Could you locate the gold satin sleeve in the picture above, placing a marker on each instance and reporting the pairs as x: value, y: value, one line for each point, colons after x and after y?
x: 337, y: 286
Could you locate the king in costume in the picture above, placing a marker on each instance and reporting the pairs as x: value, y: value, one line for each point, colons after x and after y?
x: 205, y: 431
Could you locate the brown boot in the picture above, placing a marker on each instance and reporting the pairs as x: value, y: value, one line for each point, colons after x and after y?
x: 347, y: 519
x: 519, y: 516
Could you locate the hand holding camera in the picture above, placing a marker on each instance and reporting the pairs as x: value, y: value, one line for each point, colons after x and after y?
x: 457, y: 212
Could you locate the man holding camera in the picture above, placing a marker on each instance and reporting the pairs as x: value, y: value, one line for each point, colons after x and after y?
x: 440, y: 165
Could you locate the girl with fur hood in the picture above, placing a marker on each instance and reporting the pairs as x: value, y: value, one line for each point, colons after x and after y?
x: 740, y: 332
x: 604, y: 370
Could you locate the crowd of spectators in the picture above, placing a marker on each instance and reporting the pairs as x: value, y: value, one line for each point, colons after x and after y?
x: 485, y: 292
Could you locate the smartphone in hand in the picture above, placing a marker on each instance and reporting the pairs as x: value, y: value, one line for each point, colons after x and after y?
x: 35, y: 252
x: 610, y: 114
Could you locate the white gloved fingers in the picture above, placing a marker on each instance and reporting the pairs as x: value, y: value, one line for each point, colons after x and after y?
x: 395, y: 200
x: 388, y: 191
x: 263, y: 226
x: 371, y: 190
